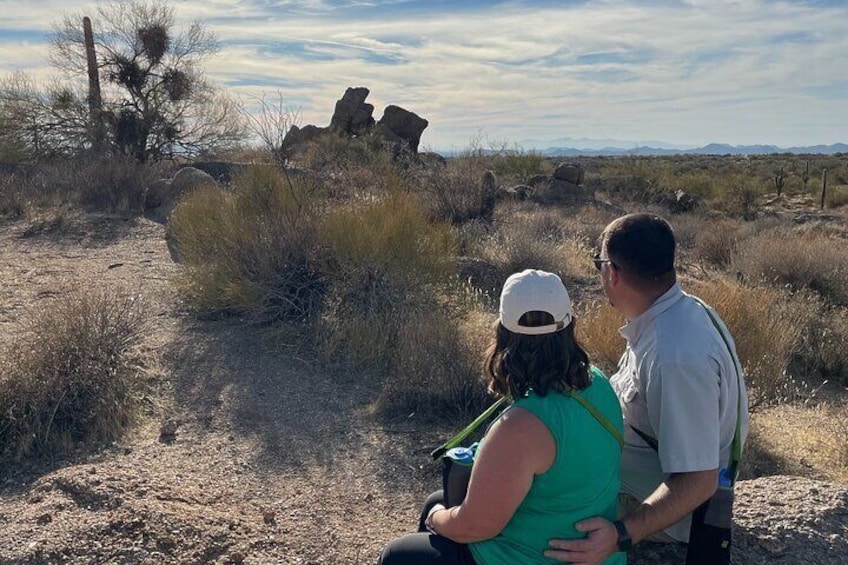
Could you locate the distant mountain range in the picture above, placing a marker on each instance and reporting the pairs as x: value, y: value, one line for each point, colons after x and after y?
x: 711, y: 149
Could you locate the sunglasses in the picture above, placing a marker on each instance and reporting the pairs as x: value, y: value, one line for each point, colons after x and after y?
x: 596, y: 259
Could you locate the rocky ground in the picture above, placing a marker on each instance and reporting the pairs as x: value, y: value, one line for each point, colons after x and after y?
x: 275, y: 458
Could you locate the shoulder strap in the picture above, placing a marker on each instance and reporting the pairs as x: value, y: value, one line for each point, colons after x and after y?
x: 736, y: 447
x: 467, y: 430
x: 602, y: 420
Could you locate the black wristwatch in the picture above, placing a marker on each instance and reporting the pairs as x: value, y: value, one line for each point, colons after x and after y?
x: 624, y: 541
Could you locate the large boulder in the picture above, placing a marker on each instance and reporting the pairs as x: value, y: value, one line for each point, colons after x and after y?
x: 352, y: 116
x: 162, y: 195
x: 404, y: 124
x: 556, y: 191
x: 569, y: 172
x: 298, y: 138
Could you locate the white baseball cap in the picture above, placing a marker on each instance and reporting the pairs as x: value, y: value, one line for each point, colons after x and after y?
x: 532, y: 290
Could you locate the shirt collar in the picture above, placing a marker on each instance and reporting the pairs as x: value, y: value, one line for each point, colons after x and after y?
x: 634, y: 328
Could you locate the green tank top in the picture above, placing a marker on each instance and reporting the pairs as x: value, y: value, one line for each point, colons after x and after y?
x: 582, y: 482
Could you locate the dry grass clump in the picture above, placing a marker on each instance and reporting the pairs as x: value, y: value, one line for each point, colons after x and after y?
x: 820, y: 353
x: 436, y: 368
x: 597, y: 331
x: 716, y: 242
x: 765, y: 334
x: 836, y: 197
x: 251, y: 252
x: 70, y: 376
x: 377, y: 261
x: 798, y: 440
x: 113, y: 184
x: 13, y: 202
x: 811, y: 259
x: 524, y: 237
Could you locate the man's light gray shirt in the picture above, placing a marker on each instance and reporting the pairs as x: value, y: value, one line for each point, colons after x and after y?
x: 677, y: 383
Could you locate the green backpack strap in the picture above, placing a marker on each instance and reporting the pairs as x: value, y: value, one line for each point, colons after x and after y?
x: 736, y: 446
x: 467, y: 430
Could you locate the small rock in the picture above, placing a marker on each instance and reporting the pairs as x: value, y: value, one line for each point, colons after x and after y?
x: 44, y: 519
x: 269, y: 517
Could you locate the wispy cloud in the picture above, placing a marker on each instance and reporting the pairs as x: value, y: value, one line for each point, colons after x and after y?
x: 687, y: 71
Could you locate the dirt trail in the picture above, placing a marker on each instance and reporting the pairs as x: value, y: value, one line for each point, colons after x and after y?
x: 275, y: 460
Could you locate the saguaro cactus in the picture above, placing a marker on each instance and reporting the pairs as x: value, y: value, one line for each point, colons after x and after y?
x: 95, y: 103
x: 805, y: 174
x: 779, y: 180
x: 824, y: 187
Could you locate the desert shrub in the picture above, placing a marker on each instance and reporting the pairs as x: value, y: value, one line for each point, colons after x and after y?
x: 253, y: 251
x: 806, y: 439
x: 517, y: 165
x: 378, y: 259
x: 700, y: 184
x: 350, y: 169
x: 765, y: 334
x: 820, y: 352
x: 586, y: 224
x: 112, y: 184
x: 716, y: 242
x: 70, y: 376
x: 809, y: 259
x: 434, y: 369
x: 836, y: 197
x: 13, y: 203
x: 739, y: 195
x: 632, y: 177
x: 456, y: 192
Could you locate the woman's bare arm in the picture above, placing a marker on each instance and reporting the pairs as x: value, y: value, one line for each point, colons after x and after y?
x: 516, y: 448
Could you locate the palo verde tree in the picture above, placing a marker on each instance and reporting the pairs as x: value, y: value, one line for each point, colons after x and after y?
x: 156, y: 102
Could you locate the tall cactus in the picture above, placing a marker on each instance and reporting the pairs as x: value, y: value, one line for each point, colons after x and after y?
x: 95, y: 103
x: 779, y: 180
x: 805, y: 174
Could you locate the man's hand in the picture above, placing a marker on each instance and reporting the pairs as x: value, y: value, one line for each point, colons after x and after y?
x: 601, y: 542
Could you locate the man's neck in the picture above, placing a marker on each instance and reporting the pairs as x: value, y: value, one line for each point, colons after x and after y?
x: 641, y: 302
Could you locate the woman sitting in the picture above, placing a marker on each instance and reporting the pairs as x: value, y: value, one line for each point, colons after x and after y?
x: 547, y: 462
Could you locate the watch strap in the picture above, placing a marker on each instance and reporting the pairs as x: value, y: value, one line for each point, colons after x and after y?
x: 624, y: 541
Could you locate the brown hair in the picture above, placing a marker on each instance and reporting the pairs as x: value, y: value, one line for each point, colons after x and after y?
x: 642, y: 247
x: 516, y: 363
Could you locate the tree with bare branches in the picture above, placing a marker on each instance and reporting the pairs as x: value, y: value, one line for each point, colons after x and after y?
x: 156, y: 101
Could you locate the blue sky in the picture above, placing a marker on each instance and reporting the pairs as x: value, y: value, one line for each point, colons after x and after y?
x: 687, y: 72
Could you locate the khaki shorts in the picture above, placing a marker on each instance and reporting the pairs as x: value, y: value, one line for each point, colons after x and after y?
x: 627, y: 504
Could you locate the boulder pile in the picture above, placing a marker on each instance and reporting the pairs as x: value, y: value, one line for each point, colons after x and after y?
x: 353, y: 118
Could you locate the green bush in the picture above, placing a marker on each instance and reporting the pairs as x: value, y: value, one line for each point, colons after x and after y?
x: 251, y: 252
x: 378, y: 260
x: 71, y: 375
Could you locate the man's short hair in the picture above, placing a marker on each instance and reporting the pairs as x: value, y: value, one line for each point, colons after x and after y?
x: 642, y: 247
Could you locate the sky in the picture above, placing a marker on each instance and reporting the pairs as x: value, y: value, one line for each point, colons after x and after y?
x: 522, y: 73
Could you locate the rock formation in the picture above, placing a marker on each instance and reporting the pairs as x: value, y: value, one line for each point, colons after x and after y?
x: 162, y: 195
x: 353, y: 118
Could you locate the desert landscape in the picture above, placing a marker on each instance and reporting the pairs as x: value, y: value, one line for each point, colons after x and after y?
x: 228, y: 336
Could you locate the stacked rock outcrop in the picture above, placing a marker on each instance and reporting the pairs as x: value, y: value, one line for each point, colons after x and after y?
x: 353, y: 117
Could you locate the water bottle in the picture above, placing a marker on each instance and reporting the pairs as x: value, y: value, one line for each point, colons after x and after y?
x: 456, y: 473
x: 710, y: 534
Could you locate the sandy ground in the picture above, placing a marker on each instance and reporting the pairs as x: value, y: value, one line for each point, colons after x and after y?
x: 275, y: 459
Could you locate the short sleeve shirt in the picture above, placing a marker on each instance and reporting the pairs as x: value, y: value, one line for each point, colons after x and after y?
x: 677, y: 383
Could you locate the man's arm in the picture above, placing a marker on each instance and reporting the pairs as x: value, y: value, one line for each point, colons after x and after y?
x: 681, y: 494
